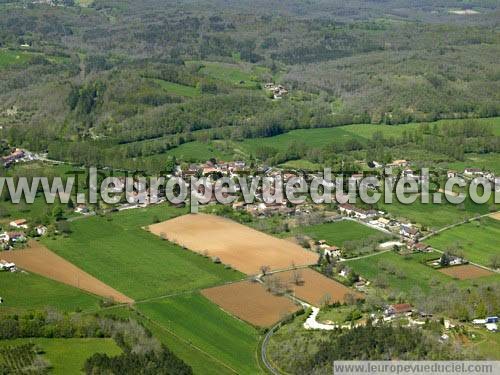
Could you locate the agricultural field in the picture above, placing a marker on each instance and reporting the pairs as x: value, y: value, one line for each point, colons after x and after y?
x: 193, y: 152
x: 335, y: 234
x: 26, y: 291
x: 194, y: 318
x: 9, y: 58
x: 235, y: 74
x: 466, y: 272
x: 434, y: 216
x: 178, y: 89
x: 322, y: 137
x: 201, y: 362
x: 67, y: 356
x: 314, y: 288
x: 117, y: 251
x: 478, y: 240
x: 241, y: 247
x: 487, y: 162
x: 250, y: 302
x: 301, y: 164
x: 38, y: 259
x: 404, y: 273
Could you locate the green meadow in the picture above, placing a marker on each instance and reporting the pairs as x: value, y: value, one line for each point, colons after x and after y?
x: 479, y: 240
x: 339, y: 232
x: 206, y: 326
x: 116, y: 250
x: 411, y: 272
x: 9, y: 57
x: 201, y: 362
x: 175, y: 88
x: 235, y: 74
x: 67, y: 356
x: 23, y: 291
x: 434, y: 215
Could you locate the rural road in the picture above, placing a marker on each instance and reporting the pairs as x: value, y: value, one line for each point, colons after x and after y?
x: 263, y: 351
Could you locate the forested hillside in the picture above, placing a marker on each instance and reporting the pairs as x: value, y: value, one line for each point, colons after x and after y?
x: 94, y: 81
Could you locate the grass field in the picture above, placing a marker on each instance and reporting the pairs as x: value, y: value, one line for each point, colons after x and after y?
x: 21, y: 291
x: 233, y: 74
x: 487, y: 344
x: 335, y: 234
x: 200, y: 362
x: 121, y: 254
x: 196, y: 319
x: 479, y: 240
x: 67, y: 356
x: 175, y: 88
x: 411, y: 273
x: 434, y: 215
x: 9, y: 58
x: 490, y: 162
x: 337, y: 135
x: 301, y: 164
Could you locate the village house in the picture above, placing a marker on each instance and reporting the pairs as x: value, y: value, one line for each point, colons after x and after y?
x: 82, y: 209
x: 14, y: 157
x: 471, y: 172
x: 278, y: 91
x: 452, y: 174
x: 398, y: 163
x: 350, y: 210
x: 16, y: 237
x: 399, y: 309
x: 19, y: 224
x: 409, y: 231
x: 422, y: 247
x: 331, y: 251
x: 7, y: 266
x: 41, y: 230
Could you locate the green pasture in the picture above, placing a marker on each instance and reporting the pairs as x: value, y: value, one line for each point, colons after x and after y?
x: 67, y: 356
x: 116, y: 250
x: 478, y: 240
x: 206, y: 326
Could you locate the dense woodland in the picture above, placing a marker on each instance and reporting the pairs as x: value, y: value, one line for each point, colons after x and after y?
x: 94, y: 85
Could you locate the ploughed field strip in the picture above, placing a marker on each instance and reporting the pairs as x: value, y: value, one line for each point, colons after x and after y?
x: 466, y: 272
x: 250, y: 302
x: 38, y: 259
x: 314, y: 288
x: 241, y: 247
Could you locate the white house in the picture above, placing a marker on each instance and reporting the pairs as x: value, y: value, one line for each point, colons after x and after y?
x: 41, y: 230
x: 19, y: 224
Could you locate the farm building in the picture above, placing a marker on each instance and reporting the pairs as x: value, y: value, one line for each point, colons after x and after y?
x: 399, y: 309
x: 19, y: 223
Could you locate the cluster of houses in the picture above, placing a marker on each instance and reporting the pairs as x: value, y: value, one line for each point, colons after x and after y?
x: 17, y: 155
x: 490, y: 323
x: 211, y: 168
x: 17, y: 233
x: 278, y: 91
x: 7, y: 266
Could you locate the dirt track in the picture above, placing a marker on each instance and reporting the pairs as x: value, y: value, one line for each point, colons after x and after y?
x: 38, y: 259
x: 250, y: 302
x: 315, y: 287
x: 243, y: 248
x: 466, y: 272
x: 495, y: 216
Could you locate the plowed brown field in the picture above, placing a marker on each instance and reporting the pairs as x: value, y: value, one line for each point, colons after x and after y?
x: 465, y: 272
x: 250, y: 302
x: 315, y: 287
x: 40, y: 260
x: 239, y: 246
